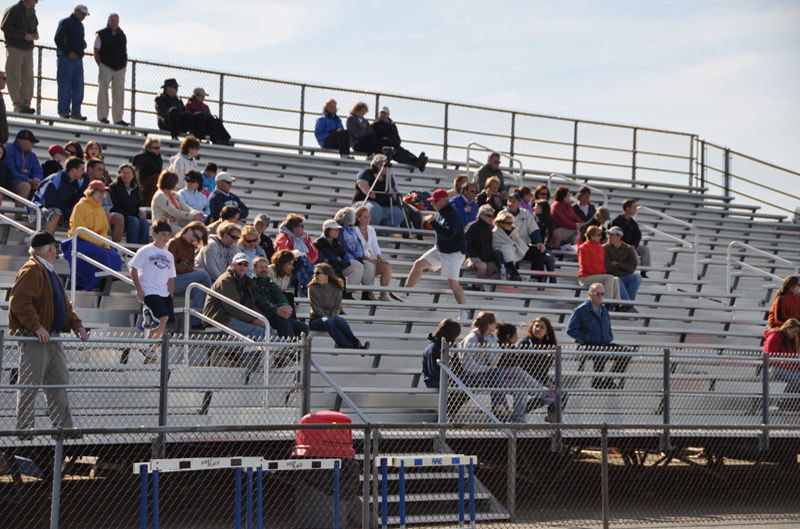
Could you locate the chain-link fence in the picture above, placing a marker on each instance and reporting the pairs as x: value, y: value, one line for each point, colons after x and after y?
x: 118, y: 380
x: 281, y: 476
x: 617, y: 385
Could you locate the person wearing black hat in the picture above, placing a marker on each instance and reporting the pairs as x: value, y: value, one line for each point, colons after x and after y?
x: 23, y: 165
x: 39, y: 307
x: 70, y: 42
x: 173, y: 116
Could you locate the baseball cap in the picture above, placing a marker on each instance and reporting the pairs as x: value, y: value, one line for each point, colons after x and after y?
x: 384, y: 109
x: 42, y: 238
x: 199, y: 92
x: 55, y: 149
x: 438, y: 195
x: 25, y: 134
x: 330, y: 224
x: 604, y: 212
x: 170, y: 82
x: 224, y: 177
x: 83, y: 9
x: 616, y: 230
x: 97, y: 185
x: 263, y: 218
x: 239, y: 257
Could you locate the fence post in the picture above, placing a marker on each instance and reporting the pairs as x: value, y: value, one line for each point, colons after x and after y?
x: 633, y: 162
x: 604, y: 436
x: 302, y: 114
x: 376, y: 449
x: 221, y: 94
x: 367, y: 473
x: 691, y: 160
x: 511, y: 481
x: 133, y: 93
x: 513, y: 132
x: 39, y: 82
x: 2, y: 351
x: 305, y: 376
x: 446, y: 129
x: 702, y: 163
x: 665, y: 440
x: 377, y: 105
x: 57, y: 463
x: 575, y: 149
x: 559, y: 384
x: 444, y: 382
x: 726, y: 178
x: 160, y: 448
x: 764, y: 441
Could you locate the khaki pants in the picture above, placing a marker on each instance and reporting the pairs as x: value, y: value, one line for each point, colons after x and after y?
x: 360, y: 273
x: 19, y: 77
x: 609, y: 282
x: 43, y: 364
x: 115, y: 78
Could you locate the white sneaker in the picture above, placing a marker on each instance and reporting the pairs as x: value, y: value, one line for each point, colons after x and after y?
x: 464, y: 315
x: 384, y: 298
x: 149, y: 355
x: 400, y: 296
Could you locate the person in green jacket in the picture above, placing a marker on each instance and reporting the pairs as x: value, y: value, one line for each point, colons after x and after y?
x: 272, y: 303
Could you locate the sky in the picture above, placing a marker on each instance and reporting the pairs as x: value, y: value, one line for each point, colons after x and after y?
x: 726, y: 70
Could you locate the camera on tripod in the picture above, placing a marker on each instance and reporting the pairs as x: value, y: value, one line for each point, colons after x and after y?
x: 388, y: 151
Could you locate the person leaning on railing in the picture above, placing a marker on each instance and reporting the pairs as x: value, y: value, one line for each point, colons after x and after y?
x: 786, y: 304
x: 783, y: 342
x: 184, y: 247
x: 39, y: 306
x: 89, y: 214
x: 127, y: 200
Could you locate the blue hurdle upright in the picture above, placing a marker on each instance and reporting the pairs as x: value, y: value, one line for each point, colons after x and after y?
x: 257, y: 464
x: 402, y: 463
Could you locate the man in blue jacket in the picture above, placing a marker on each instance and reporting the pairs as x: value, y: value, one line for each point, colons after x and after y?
x: 71, y: 45
x: 590, y: 326
x: 449, y: 252
x: 465, y: 203
x: 329, y: 131
x: 60, y: 192
x: 222, y: 196
x: 24, y: 166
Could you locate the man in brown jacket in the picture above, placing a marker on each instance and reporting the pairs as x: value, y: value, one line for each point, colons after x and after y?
x: 39, y: 307
x: 621, y: 263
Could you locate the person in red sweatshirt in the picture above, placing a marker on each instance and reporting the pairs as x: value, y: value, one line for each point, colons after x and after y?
x: 592, y: 261
x: 786, y: 304
x: 783, y: 342
x: 567, y: 222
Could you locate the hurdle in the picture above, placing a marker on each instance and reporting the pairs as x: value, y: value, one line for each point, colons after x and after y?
x: 460, y: 461
x: 155, y: 466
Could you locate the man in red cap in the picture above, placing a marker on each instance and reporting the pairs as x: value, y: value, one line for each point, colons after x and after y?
x: 449, y: 252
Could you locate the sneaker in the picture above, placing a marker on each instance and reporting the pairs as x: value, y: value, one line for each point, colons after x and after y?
x: 464, y: 315
x: 122, y: 123
x: 400, y: 296
x: 104, y: 121
x: 149, y: 355
x: 385, y: 298
x: 79, y: 118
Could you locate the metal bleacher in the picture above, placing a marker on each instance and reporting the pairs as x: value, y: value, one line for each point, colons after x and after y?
x: 675, y: 308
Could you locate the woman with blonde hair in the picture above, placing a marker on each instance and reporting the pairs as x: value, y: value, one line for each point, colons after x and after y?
x: 325, y: 298
x: 169, y: 205
x: 248, y: 244
x: 372, y: 251
x: 329, y: 131
x: 184, y: 247
x: 148, y: 164
x: 507, y: 241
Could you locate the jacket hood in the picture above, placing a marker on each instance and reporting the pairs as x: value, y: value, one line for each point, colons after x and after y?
x: 346, y: 216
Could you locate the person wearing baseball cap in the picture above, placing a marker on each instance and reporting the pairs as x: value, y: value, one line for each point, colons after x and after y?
x: 39, y: 307
x: 222, y: 196
x: 450, y: 251
x: 71, y: 45
x: 26, y: 172
x: 56, y: 162
x: 214, y: 127
x: 265, y: 241
x: 621, y: 263
x: 236, y: 286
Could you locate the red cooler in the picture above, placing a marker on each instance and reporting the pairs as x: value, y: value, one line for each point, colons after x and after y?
x: 324, y: 443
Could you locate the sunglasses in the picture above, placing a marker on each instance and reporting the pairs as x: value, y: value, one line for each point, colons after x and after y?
x: 599, y: 294
x: 507, y: 222
x: 318, y: 273
x: 235, y: 237
x: 250, y: 240
x: 197, y: 236
x: 243, y: 263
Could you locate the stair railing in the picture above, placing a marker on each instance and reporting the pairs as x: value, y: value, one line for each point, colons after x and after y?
x: 510, y: 159
x: 339, y: 391
x: 684, y: 242
x: 17, y: 198
x: 729, y: 262
x: 576, y: 182
x: 76, y: 254
x: 188, y: 312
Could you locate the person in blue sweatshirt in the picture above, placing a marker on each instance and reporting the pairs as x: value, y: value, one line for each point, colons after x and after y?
x: 60, y: 192
x: 222, y: 196
x: 330, y: 132
x: 70, y: 42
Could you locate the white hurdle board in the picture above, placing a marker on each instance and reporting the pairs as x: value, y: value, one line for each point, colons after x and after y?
x: 432, y: 461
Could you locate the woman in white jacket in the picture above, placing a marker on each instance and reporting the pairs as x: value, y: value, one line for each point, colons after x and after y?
x: 482, y: 369
x: 506, y: 239
x: 183, y: 161
x: 372, y: 251
x: 168, y: 204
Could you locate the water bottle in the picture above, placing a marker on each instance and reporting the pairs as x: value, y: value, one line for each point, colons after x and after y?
x: 503, y: 275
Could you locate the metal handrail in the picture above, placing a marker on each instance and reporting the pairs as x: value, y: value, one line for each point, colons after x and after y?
x: 75, y: 254
x: 510, y: 158
x: 695, y: 246
x: 469, y: 392
x: 339, y: 391
x: 188, y: 312
x: 28, y: 203
x: 728, y: 261
x: 568, y: 179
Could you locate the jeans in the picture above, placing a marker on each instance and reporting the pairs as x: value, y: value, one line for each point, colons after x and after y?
x: 287, y: 327
x: 382, y: 216
x: 629, y: 286
x: 259, y: 334
x: 198, y: 297
x: 510, y: 377
x: 137, y: 230
x: 338, y: 329
x: 70, y: 85
x: 793, y: 386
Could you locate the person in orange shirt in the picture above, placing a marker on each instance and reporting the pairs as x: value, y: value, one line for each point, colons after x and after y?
x: 592, y: 261
x: 786, y: 304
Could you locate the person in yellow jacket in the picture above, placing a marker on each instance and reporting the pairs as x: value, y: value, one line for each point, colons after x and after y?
x: 89, y: 214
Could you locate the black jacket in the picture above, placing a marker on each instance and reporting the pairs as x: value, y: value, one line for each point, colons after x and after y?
x: 267, y: 245
x: 333, y: 254
x: 579, y: 212
x: 113, y: 48
x: 386, y: 130
x: 546, y: 229
x: 70, y: 37
x: 449, y: 231
x: 592, y: 222
x: 16, y: 23
x: 479, y: 240
x: 163, y: 105
x: 148, y: 166
x: 126, y: 203
x: 631, y: 234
